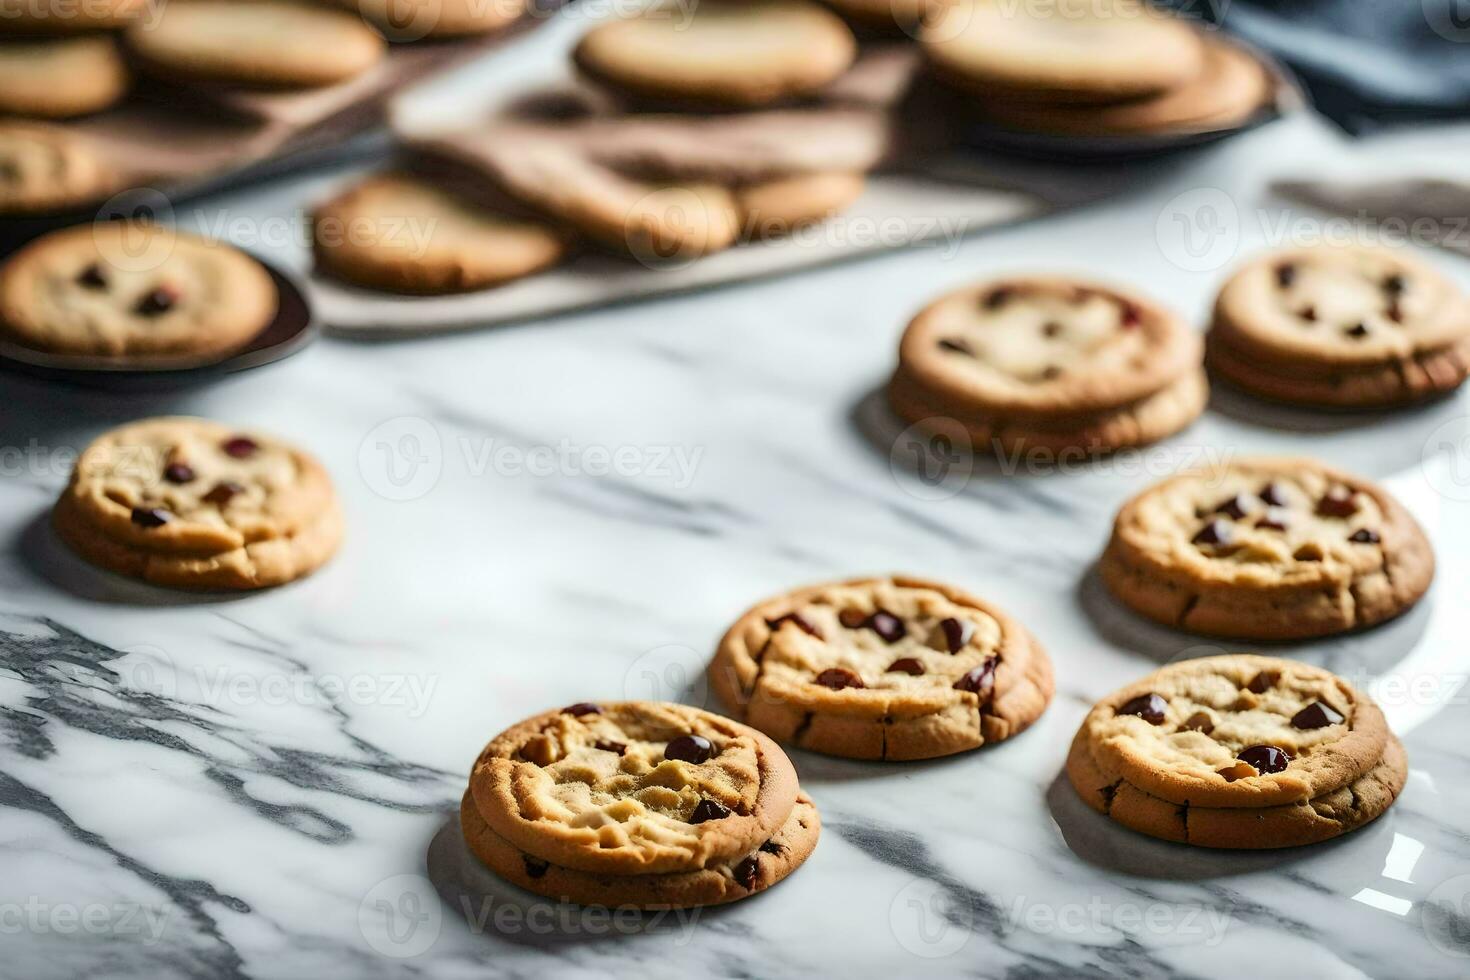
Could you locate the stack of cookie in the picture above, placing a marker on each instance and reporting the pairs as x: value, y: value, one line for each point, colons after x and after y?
x: 1091, y: 68
x: 137, y: 293
x: 192, y: 504
x: 887, y: 668
x: 637, y: 804
x: 1238, y: 752
x: 545, y: 182
x: 1341, y: 327
x: 1267, y: 549
x: 1049, y: 366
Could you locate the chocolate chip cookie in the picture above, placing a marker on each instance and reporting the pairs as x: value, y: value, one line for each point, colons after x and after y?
x: 637, y: 803
x: 1238, y: 752
x: 720, y: 53
x: 396, y: 233
x: 1267, y: 549
x: 1071, y: 51
x: 1347, y: 327
x: 60, y: 78
x: 1053, y: 364
x: 190, y: 503
x: 133, y: 290
x: 265, y: 44
x: 47, y: 168
x: 889, y: 668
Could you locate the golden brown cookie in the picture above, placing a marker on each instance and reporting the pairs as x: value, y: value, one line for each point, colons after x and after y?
x: 1239, y: 752
x: 1070, y: 51
x: 133, y: 290
x: 891, y: 668
x: 191, y: 503
x: 720, y: 53
x: 60, y: 78
x: 1345, y: 327
x: 1047, y: 363
x: 1267, y: 549
x: 633, y: 788
x: 400, y: 234
x: 262, y: 43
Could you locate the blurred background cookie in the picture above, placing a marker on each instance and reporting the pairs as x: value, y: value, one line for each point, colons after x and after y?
x: 264, y: 43
x: 720, y: 53
x: 58, y: 78
x: 47, y: 168
x: 1064, y: 52
x: 133, y: 290
x: 398, y: 233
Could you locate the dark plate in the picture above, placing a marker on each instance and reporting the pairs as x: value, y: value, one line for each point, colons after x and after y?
x: 292, y: 329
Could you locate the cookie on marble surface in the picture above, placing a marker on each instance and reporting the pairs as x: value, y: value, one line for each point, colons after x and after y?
x: 888, y: 668
x: 1048, y: 363
x: 1267, y: 549
x: 262, y: 43
x: 412, y: 20
x: 133, y: 290
x: 720, y: 53
x: 774, y: 208
x: 1232, y: 86
x: 397, y: 233
x: 1238, y: 752
x: 1341, y: 326
x: 191, y: 503
x: 48, y: 168
x: 60, y: 78
x: 59, y: 17
x: 716, y: 883
x: 633, y: 788
x: 1070, y: 51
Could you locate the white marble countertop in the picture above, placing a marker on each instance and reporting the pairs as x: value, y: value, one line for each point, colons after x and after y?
x: 264, y: 786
